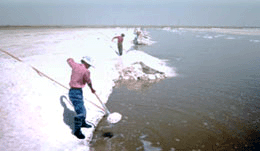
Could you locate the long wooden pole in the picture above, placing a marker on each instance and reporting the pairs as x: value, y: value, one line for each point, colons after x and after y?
x: 42, y: 74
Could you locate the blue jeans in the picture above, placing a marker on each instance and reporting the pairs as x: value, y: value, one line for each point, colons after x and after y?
x: 76, y: 97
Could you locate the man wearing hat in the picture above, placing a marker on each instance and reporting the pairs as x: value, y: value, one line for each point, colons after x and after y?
x: 79, y: 77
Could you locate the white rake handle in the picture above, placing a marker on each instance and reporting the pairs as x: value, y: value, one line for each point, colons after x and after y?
x: 102, y: 104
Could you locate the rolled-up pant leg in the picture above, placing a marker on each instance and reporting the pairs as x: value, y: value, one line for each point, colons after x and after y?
x: 76, y: 98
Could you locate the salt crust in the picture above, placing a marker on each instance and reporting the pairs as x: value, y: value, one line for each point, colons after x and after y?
x: 35, y: 112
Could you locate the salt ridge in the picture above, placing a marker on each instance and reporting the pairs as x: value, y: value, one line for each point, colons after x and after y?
x: 36, y: 109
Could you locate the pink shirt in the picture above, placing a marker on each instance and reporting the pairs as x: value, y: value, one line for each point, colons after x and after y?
x: 120, y: 39
x: 80, y: 75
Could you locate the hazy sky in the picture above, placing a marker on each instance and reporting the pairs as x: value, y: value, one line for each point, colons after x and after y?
x: 130, y: 12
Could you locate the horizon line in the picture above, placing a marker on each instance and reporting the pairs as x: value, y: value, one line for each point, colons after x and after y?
x: 124, y: 26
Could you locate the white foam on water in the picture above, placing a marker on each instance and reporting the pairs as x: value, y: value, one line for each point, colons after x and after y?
x: 230, y: 38
x: 217, y: 36
x: 34, y: 117
x: 207, y: 37
x: 255, y: 41
x: 235, y: 31
x: 148, y: 146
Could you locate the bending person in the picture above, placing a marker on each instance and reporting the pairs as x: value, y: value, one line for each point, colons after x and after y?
x: 120, y: 40
x: 80, y: 75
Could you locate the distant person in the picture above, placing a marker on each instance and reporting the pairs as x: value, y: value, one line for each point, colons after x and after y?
x: 138, y: 34
x: 80, y: 75
x: 119, y: 43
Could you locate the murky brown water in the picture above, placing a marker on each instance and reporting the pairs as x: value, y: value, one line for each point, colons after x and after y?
x: 212, y: 105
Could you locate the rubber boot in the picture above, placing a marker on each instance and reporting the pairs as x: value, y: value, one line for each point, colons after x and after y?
x: 84, y: 124
x: 77, y: 129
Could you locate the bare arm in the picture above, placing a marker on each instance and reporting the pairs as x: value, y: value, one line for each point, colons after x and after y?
x: 90, y: 86
x: 114, y: 38
x: 88, y: 81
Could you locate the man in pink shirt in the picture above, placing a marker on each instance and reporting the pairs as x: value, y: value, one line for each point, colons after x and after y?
x: 120, y: 40
x: 79, y: 77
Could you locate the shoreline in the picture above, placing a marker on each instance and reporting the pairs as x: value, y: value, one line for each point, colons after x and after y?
x: 24, y: 84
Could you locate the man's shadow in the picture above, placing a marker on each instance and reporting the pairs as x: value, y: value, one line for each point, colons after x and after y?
x: 68, y: 115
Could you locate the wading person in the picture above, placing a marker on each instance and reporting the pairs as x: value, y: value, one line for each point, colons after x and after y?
x: 119, y: 43
x: 80, y: 76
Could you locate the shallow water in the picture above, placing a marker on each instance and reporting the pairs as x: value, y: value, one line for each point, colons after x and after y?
x: 213, y: 103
